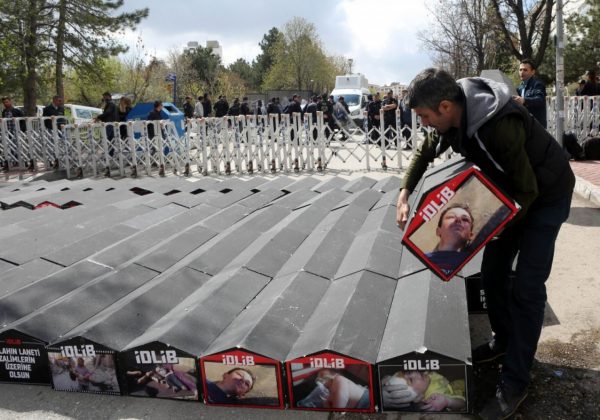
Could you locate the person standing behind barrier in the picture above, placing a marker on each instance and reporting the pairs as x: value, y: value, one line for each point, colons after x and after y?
x: 54, y: 109
x: 389, y: 106
x: 312, y: 109
x: 188, y: 107
x: 124, y: 108
x: 244, y: 107
x: 10, y: 112
x: 326, y: 107
x: 109, y: 114
x: 234, y: 111
x: 373, y: 116
x: 294, y: 107
x: 207, y: 107
x: 198, y: 109
x: 341, y: 111
x: 532, y: 92
x: 590, y: 87
x: 155, y: 115
x: 405, y: 121
x: 221, y: 107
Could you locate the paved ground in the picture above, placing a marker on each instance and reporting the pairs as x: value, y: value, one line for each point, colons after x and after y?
x: 569, y: 340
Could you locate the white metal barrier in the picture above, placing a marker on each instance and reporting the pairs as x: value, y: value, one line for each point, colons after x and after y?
x: 253, y: 144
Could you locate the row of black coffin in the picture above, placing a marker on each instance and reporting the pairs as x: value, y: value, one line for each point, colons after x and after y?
x: 157, y: 369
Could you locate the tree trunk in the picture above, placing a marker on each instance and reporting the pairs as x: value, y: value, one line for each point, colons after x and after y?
x: 31, y: 48
x: 60, y: 44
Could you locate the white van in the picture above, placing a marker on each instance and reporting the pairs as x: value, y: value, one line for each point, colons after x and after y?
x: 81, y: 113
x: 354, y: 89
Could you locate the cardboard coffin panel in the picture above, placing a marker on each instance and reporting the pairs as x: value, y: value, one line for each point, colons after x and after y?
x: 240, y: 378
x: 160, y: 371
x: 453, y: 220
x: 23, y: 359
x: 429, y: 378
x: 81, y: 365
x: 328, y: 381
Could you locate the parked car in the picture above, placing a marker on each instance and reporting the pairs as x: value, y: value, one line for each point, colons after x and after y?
x: 81, y: 113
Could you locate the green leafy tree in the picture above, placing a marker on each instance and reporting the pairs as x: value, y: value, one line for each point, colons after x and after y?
x: 265, y: 60
x: 244, y: 71
x: 582, y: 50
x: 300, y: 62
x: 87, y: 30
x: 206, y: 67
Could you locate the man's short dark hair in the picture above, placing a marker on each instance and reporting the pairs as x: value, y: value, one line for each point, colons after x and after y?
x: 245, y: 98
x: 4, y: 98
x: 157, y: 104
x: 370, y: 97
x: 107, y: 94
x: 200, y: 98
x: 55, y: 97
x: 430, y: 87
x: 530, y: 62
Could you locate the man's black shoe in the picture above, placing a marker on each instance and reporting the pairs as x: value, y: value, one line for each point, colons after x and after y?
x: 487, y: 352
x: 503, y: 405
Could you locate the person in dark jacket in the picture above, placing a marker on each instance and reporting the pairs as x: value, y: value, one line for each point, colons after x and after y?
x: 155, y: 115
x: 234, y: 111
x: 188, y: 107
x: 478, y: 118
x: 221, y: 107
x: 532, y: 92
x: 54, y: 109
x: 207, y: 105
x: 123, y: 111
x: 109, y: 114
x: 244, y: 107
x: 10, y: 112
x: 590, y: 87
x: 389, y: 106
x: 373, y: 117
x: 312, y: 109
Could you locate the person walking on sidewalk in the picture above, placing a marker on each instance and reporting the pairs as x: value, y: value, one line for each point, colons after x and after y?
x: 479, y: 119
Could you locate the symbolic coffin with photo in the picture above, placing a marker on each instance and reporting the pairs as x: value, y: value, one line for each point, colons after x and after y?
x: 81, y: 365
x: 23, y: 359
x: 456, y: 211
x: 159, y: 370
x: 239, y: 377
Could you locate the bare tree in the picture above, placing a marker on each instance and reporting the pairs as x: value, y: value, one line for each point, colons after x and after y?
x: 525, y: 26
x: 465, y: 39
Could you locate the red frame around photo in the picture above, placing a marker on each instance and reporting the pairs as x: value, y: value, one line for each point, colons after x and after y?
x: 434, y: 202
x: 330, y: 356
x: 242, y: 355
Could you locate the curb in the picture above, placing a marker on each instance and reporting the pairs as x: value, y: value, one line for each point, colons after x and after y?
x: 587, y: 190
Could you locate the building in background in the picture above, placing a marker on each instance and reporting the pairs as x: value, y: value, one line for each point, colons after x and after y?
x: 213, y: 45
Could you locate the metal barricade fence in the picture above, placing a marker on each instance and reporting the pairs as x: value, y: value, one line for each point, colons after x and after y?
x: 242, y: 145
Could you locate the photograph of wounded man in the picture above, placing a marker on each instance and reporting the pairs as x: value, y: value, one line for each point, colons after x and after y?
x: 84, y: 374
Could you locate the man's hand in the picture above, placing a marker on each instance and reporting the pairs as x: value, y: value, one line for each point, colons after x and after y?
x: 435, y: 402
x: 402, y: 209
x: 519, y: 99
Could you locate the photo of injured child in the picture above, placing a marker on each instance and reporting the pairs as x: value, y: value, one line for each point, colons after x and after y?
x: 449, y: 233
x: 163, y: 380
x: 325, y: 388
x: 241, y: 385
x: 84, y: 374
x: 415, y: 390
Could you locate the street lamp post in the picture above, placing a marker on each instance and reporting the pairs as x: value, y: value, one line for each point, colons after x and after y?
x: 172, y: 77
x: 350, y: 61
x: 560, y: 74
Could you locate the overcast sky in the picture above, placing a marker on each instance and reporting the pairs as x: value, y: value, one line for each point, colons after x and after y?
x: 379, y: 35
